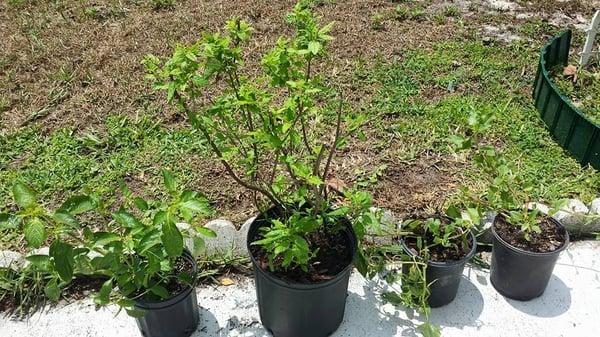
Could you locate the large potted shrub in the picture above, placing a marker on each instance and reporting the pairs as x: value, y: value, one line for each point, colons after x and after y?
x: 276, y: 134
x: 526, y: 243
x: 140, y: 254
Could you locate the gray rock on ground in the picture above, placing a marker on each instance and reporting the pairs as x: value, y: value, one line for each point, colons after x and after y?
x: 10, y: 259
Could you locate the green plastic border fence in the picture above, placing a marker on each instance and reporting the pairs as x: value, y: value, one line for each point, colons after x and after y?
x: 574, y: 131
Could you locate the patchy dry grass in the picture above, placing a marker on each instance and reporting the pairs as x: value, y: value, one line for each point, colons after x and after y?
x: 76, y: 114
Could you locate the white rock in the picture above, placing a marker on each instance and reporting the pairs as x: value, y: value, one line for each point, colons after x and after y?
x: 574, y: 216
x: 595, y: 206
x: 484, y: 234
x: 41, y: 251
x: 502, y: 5
x: 10, y: 259
x: 228, y: 239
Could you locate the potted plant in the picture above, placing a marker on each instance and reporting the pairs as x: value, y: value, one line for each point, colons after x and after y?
x: 446, y: 244
x: 276, y: 135
x: 526, y: 243
x: 433, y: 254
x: 141, y: 256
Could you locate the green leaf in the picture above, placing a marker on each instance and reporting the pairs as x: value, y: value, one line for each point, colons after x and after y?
x: 103, y: 238
x: 169, y: 181
x: 40, y: 261
x: 195, y: 206
x: 126, y: 219
x: 35, y: 232
x: 199, y: 245
x: 206, y: 232
x: 360, y: 262
x: 453, y: 212
x: 140, y: 203
x: 7, y: 221
x: 392, y: 297
x: 160, y: 291
x: 65, y: 219
x: 24, y: 196
x: 429, y: 330
x: 103, y: 296
x: 314, y: 47
x: 52, y: 291
x: 62, y: 253
x: 78, y: 204
x: 172, y: 239
x: 136, y: 313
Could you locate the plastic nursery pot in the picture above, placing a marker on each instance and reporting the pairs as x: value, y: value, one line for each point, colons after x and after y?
x: 519, y: 274
x: 443, y: 277
x: 299, y: 310
x: 176, y: 316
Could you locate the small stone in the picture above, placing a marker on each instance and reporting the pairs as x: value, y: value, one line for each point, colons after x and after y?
x: 228, y: 239
x: 41, y: 251
x: 10, y: 259
x: 574, y: 216
x: 484, y: 234
x: 594, y: 216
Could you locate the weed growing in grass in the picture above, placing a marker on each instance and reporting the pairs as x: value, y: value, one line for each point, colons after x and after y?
x: 162, y: 4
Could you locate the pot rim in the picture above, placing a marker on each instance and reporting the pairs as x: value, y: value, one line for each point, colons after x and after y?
x: 529, y: 253
x: 301, y: 286
x: 464, y: 259
x: 174, y: 299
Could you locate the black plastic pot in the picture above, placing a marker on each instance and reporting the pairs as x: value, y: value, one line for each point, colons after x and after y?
x: 443, y: 277
x: 519, y: 274
x: 300, y: 310
x: 177, y: 316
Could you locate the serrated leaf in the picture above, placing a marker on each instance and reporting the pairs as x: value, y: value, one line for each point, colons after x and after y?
x: 24, y: 196
x: 35, y: 232
x: 172, y: 239
x: 78, y: 204
x: 65, y: 219
x: 62, y: 253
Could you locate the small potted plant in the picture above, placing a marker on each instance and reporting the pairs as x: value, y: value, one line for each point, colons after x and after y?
x: 276, y: 135
x: 141, y: 256
x: 433, y: 254
x: 446, y: 244
x: 526, y: 243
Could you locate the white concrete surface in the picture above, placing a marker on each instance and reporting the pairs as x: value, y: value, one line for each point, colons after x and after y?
x: 569, y: 307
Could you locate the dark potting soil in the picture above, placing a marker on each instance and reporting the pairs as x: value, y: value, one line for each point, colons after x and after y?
x: 550, y: 239
x: 334, y: 254
x: 439, y: 253
x: 175, y: 285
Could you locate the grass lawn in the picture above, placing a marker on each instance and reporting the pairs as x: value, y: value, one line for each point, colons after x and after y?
x: 77, y: 116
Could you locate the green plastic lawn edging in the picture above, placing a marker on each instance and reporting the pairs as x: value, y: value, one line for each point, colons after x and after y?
x: 575, y: 132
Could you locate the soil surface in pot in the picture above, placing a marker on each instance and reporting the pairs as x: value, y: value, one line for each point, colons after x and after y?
x: 332, y: 257
x: 550, y: 239
x: 439, y: 253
